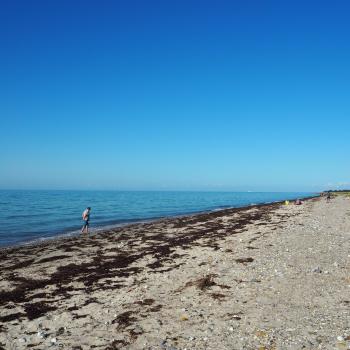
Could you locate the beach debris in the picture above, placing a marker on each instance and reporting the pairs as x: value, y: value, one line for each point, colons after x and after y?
x: 138, y: 329
x: 236, y: 317
x: 244, y: 260
x: 61, y: 330
x: 184, y: 317
x: 202, y: 283
x: 261, y: 334
x: 316, y: 270
x: 218, y: 296
x: 165, y: 346
x: 124, y: 320
x: 41, y: 334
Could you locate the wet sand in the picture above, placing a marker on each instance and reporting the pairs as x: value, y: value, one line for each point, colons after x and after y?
x: 262, y: 277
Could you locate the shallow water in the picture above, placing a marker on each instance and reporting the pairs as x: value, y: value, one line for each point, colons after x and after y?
x: 26, y: 216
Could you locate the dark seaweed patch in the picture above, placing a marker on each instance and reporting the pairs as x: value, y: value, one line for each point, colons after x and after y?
x: 155, y: 308
x: 36, y: 310
x: 223, y: 286
x: 52, y: 258
x: 19, y: 265
x: 11, y: 317
x: 116, y: 344
x: 76, y: 316
x: 124, y: 320
x: 144, y: 302
x: 244, y: 260
x: 218, y: 296
x: 202, y: 283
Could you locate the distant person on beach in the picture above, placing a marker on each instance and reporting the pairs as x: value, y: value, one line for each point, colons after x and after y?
x: 298, y: 202
x: 86, y: 218
x: 328, y: 196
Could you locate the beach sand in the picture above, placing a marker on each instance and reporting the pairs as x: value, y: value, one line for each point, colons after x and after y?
x: 263, y: 277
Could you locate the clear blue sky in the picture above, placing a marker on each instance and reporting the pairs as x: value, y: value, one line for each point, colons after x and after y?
x: 217, y: 95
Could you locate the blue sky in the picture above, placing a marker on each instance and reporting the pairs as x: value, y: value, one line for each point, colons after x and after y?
x: 205, y: 95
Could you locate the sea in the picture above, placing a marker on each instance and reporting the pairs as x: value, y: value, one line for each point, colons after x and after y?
x: 33, y: 216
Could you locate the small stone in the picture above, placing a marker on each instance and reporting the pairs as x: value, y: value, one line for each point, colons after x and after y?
x: 60, y: 331
x: 317, y: 270
x: 41, y: 334
x: 53, y: 341
x: 231, y: 329
x: 340, y: 338
x: 138, y: 329
x: 22, y: 340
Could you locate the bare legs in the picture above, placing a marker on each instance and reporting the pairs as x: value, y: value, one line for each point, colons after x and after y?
x: 85, y: 228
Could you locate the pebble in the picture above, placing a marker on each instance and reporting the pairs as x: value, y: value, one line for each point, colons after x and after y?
x: 22, y: 340
x: 53, y: 341
x: 317, y: 270
x: 138, y: 329
x: 41, y: 334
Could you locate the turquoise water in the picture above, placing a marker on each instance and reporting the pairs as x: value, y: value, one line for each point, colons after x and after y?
x: 26, y: 216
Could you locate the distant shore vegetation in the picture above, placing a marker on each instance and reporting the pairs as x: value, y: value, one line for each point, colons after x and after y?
x: 339, y: 192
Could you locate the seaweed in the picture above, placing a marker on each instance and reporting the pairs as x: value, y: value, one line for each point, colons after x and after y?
x: 36, y: 310
x: 244, y: 260
x: 124, y: 320
x: 52, y: 258
x: 11, y: 317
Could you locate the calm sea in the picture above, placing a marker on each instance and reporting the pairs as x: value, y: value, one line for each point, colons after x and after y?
x: 27, y: 216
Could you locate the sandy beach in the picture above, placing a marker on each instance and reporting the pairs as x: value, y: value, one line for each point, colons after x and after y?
x: 262, y: 277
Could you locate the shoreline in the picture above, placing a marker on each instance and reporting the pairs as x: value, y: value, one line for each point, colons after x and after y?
x: 72, y: 234
x: 267, y: 277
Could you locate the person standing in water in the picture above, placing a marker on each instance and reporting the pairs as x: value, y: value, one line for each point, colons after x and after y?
x: 86, y: 218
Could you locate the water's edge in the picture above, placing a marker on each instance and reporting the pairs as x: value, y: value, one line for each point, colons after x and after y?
x: 66, y: 236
